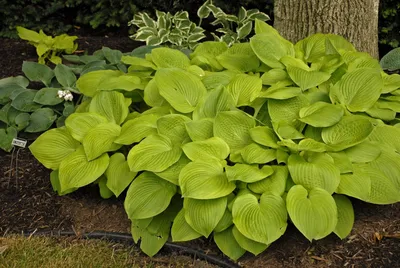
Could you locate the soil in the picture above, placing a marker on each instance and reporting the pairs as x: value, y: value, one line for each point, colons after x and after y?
x: 27, y: 201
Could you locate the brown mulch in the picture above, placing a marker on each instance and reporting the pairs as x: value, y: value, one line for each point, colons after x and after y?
x: 27, y: 201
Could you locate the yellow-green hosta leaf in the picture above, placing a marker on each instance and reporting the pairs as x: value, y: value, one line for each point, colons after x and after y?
x: 204, y: 215
x: 244, y: 89
x: 127, y: 82
x: 239, y: 57
x: 174, y: 127
x: 287, y: 110
x: 387, y: 135
x: 205, y: 55
x: 274, y: 184
x: 274, y: 76
x: 311, y: 145
x: 311, y: 48
x: 200, y: 130
x: 286, y: 131
x: 321, y: 114
x: 165, y: 57
x: 89, y: 82
x: 247, y: 173
x: 313, y: 212
x: 213, y: 80
x: 136, y: 61
x: 233, y: 127
x: 181, y: 230
x: 226, y: 220
x: 76, y: 171
x: 356, y: 184
x: 180, y: 88
x: 359, y: 89
x: 99, y: 139
x: 391, y: 82
x: 136, y: 129
x: 110, y: 104
x: 364, y: 152
x: 155, y: 153
x: 205, y: 180
x: 351, y: 130
x: 265, y: 136
x: 53, y: 146
x: 342, y: 161
x: 171, y: 174
x: 263, y: 221
x: 217, y: 100
x: 307, y: 79
x: 345, y: 216
x: 256, y: 154
x: 206, y: 150
x: 248, y: 244
x: 147, y: 196
x: 270, y: 48
x: 105, y: 192
x: 280, y: 92
x: 79, y: 124
x: 318, y: 170
x: 227, y: 243
x: 152, y: 95
x: 118, y: 174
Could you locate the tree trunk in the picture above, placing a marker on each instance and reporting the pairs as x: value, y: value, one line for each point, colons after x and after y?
x: 356, y: 20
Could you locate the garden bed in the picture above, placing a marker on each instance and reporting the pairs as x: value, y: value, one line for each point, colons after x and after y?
x: 28, y: 201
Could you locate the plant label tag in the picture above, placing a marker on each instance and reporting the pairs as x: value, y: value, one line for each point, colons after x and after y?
x: 19, y: 142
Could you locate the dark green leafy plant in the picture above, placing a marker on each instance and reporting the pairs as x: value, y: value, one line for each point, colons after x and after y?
x: 49, y: 48
x: 391, y: 61
x: 27, y: 110
x: 235, y: 141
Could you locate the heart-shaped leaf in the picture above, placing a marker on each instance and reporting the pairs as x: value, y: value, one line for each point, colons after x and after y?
x: 227, y: 243
x: 321, y: 114
x: 345, y: 216
x: 110, y: 104
x: 206, y: 150
x: 274, y: 184
x: 181, y: 230
x: 248, y: 244
x: 244, y: 89
x: 118, y: 174
x: 313, y: 212
x: 247, y: 173
x: 79, y: 124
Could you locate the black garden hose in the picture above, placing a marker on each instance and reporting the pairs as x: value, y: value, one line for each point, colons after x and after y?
x: 127, y: 238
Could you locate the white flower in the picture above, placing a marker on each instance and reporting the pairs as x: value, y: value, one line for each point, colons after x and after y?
x: 68, y: 97
x: 61, y: 94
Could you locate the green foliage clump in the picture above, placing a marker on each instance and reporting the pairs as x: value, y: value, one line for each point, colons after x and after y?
x: 178, y: 31
x: 391, y: 61
x: 31, y: 111
x: 232, y: 142
x: 47, y: 47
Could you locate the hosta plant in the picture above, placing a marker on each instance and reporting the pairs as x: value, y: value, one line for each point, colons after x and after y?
x: 23, y: 109
x: 48, y: 48
x: 236, y: 142
x: 391, y: 61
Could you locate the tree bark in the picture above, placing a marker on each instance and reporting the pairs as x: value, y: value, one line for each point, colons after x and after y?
x: 356, y: 20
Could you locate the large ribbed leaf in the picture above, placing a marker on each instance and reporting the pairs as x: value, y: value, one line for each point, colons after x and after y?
x: 217, y: 100
x: 351, y: 130
x: 110, y: 104
x: 233, y: 127
x: 88, y: 83
x: 53, y: 146
x: 387, y: 135
x: 165, y: 57
x: 270, y: 48
x: 248, y: 244
x: 76, y: 171
x: 79, y: 124
x: 307, y: 79
x: 155, y: 153
x: 174, y: 127
x: 247, y: 173
x: 364, y: 152
x: 99, y: 139
x: 204, y: 180
x: 227, y: 243
x: 204, y: 215
x: 318, y: 170
x: 181, y: 230
x: 313, y: 212
x: 136, y: 129
x: 152, y: 95
x: 265, y: 136
x: 200, y: 130
x: 206, y: 150
x: 171, y: 174
x: 257, y: 154
x: 345, y: 216
x: 118, y: 174
x: 148, y: 196
x: 239, y: 57
x: 244, y: 89
x: 274, y: 184
x: 262, y: 222
x: 226, y: 220
x: 359, y: 89
x: 321, y: 114
x: 180, y: 88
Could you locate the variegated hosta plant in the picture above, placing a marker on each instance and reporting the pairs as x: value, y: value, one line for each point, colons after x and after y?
x: 235, y: 142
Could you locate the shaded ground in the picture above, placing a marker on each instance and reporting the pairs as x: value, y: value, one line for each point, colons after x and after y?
x: 27, y: 202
